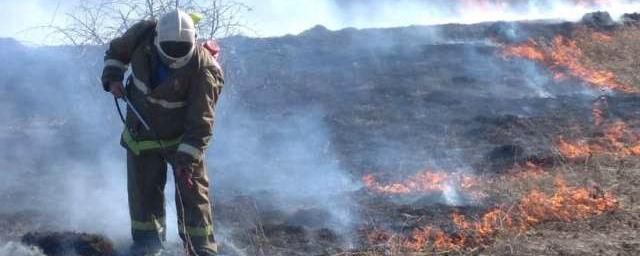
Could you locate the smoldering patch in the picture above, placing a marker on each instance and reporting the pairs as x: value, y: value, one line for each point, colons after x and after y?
x: 69, y: 243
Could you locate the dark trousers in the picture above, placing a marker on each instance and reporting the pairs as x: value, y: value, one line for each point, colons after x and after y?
x: 146, y: 179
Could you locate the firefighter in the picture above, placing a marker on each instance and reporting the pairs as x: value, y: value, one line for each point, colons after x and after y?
x: 174, y: 85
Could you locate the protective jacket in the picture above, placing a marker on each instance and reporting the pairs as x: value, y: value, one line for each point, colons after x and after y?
x: 180, y: 110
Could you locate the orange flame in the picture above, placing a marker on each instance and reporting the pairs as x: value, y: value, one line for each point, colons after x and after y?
x: 617, y: 140
x: 635, y: 150
x: 564, y: 204
x: 425, y: 181
x: 563, y: 57
x: 528, y: 171
x: 573, y: 150
x: 530, y: 50
x: 599, y: 36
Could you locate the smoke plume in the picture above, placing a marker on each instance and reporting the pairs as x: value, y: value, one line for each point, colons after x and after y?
x: 280, y: 136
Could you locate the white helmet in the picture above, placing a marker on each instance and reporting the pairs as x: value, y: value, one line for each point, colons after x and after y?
x: 175, y: 26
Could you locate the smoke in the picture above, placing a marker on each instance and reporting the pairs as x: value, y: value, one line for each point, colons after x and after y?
x: 18, y: 249
x: 298, y: 150
x: 60, y: 157
x: 286, y: 158
x: 63, y: 159
x: 405, y: 12
x: 273, y: 18
x: 279, y: 145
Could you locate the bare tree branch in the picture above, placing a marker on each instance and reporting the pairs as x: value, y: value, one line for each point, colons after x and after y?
x: 96, y: 22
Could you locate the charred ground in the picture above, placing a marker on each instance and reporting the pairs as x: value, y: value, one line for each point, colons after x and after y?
x: 401, y: 100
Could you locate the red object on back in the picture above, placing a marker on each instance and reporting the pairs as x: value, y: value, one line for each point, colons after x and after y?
x: 212, y: 47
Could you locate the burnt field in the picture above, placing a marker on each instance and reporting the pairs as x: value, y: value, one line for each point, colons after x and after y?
x: 489, y: 139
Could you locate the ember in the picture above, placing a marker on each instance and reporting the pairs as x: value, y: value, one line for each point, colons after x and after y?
x: 422, y: 182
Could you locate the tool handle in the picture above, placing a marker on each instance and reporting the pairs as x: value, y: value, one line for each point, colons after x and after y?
x: 136, y: 113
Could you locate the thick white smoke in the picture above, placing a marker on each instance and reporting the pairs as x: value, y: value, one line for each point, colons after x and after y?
x: 65, y: 162
x: 274, y: 17
x: 278, y: 17
x: 62, y: 130
x: 18, y: 249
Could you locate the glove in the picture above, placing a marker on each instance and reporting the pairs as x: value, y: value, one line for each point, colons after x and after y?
x: 185, y: 176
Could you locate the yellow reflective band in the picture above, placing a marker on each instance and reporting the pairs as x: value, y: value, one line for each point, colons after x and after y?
x: 155, y: 225
x: 198, y: 231
x: 196, y: 17
x: 138, y: 146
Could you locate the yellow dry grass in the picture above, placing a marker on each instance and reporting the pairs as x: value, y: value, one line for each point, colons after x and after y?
x: 617, y: 51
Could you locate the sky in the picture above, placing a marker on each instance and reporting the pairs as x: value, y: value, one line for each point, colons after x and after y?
x: 18, y: 16
x: 280, y: 17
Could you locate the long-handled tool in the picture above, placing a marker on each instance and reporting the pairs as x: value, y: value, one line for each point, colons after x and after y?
x: 136, y: 113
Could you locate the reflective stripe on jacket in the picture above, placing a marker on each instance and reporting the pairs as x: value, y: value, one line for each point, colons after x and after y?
x: 180, y: 107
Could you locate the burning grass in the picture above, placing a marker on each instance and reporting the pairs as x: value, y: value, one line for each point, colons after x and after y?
x: 566, y: 57
x: 532, y: 196
x: 617, y: 139
x: 423, y: 182
x: 618, y: 53
x: 523, y: 197
x: 593, y: 186
x: 535, y: 204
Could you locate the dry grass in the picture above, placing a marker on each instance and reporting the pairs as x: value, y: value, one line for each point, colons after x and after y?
x: 617, y: 51
x: 613, y: 233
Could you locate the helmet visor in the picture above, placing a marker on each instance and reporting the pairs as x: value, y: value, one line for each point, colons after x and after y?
x: 176, y: 49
